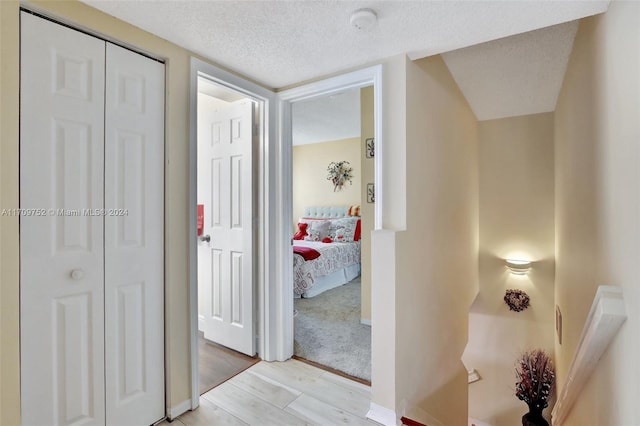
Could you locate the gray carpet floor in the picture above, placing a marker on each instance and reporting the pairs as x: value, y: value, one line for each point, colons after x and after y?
x: 328, y: 331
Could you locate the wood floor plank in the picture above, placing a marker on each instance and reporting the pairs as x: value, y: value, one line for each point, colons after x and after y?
x: 290, y: 369
x: 307, y: 379
x: 249, y: 408
x: 265, y: 388
x: 217, y: 364
x: 282, y: 393
x: 209, y: 414
x: 349, y: 384
x: 316, y: 412
x: 175, y: 422
x: 293, y: 366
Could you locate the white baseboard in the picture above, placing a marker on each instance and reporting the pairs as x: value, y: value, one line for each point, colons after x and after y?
x: 382, y: 415
x: 179, y: 409
x: 365, y: 321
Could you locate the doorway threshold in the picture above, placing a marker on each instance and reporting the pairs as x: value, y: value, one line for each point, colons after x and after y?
x: 217, y: 363
x: 332, y: 370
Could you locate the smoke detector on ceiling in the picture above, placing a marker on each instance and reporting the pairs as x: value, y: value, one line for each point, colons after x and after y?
x: 363, y: 19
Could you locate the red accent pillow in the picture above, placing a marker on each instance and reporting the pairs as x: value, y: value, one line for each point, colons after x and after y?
x: 356, y: 235
x: 302, y: 231
x: 327, y: 240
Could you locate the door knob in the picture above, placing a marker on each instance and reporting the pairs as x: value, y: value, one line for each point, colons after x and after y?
x: 77, y: 274
x: 206, y: 238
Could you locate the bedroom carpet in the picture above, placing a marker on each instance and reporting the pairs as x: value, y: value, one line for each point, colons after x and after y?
x: 328, y: 331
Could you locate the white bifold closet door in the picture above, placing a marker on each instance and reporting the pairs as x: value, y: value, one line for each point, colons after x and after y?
x: 91, y: 230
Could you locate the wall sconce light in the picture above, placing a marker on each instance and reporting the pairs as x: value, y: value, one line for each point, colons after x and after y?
x: 518, y: 267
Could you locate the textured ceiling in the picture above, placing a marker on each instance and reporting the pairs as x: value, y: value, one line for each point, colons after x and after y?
x: 281, y: 43
x: 327, y: 119
x: 517, y: 75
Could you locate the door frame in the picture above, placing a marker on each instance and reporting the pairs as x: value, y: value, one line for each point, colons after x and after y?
x: 265, y: 209
x: 273, y: 259
x: 371, y: 76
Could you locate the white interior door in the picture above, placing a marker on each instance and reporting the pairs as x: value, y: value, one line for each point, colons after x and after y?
x: 133, y: 237
x: 225, y: 186
x: 61, y: 249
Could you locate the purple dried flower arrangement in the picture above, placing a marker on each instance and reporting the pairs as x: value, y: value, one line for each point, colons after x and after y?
x: 536, y: 378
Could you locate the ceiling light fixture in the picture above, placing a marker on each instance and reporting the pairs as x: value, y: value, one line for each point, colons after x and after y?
x: 363, y: 19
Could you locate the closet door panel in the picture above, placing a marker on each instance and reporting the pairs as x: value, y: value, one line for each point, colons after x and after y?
x: 134, y: 229
x: 61, y: 240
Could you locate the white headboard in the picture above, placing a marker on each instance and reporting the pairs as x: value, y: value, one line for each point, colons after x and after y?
x: 329, y: 212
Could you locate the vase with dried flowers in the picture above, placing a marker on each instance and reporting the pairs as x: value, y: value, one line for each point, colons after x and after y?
x: 339, y: 174
x: 535, y: 380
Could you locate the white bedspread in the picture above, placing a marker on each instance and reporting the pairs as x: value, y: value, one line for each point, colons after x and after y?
x: 333, y: 257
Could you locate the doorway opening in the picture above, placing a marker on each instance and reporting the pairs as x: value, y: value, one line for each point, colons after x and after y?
x: 332, y: 292
x: 227, y: 143
x: 274, y: 289
x: 367, y: 77
x: 233, y: 238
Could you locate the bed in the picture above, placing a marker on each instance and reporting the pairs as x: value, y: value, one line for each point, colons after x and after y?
x: 338, y: 261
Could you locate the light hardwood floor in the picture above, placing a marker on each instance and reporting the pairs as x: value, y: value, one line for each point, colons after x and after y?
x: 282, y: 393
x: 216, y: 364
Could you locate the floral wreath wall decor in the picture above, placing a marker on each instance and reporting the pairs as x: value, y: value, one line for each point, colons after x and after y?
x: 339, y: 174
x: 517, y: 300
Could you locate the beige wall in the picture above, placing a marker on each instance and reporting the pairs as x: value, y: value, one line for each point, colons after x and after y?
x: 383, y: 242
x: 176, y: 183
x: 394, y: 149
x: 9, y: 266
x: 310, y: 184
x: 597, y: 134
x: 424, y: 263
x: 516, y: 221
x: 367, y: 210
x: 436, y: 257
